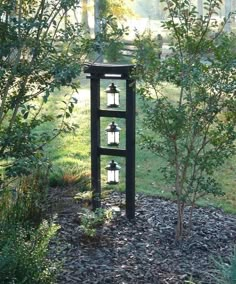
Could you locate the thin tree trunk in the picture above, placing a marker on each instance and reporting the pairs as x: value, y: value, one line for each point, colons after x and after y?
x: 84, y: 18
x: 190, y: 223
x: 228, y: 4
x: 180, y: 222
x: 97, y: 26
x: 200, y: 7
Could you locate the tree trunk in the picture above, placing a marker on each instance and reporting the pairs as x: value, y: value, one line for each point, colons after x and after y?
x: 228, y: 4
x: 97, y: 26
x: 84, y: 18
x: 180, y: 222
x: 200, y: 7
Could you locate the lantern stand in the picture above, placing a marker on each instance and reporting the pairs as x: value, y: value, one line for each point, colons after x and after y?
x: 112, y: 72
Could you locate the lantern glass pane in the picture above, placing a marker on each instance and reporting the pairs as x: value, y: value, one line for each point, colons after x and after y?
x: 113, y: 99
x: 117, y: 96
x: 113, y: 138
x: 116, y: 176
x: 112, y: 176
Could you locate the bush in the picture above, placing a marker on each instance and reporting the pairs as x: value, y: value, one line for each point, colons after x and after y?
x: 66, y: 176
x: 90, y: 220
x: 24, y: 237
x: 113, y: 51
x: 192, y: 129
x: 24, y: 203
x: 23, y: 254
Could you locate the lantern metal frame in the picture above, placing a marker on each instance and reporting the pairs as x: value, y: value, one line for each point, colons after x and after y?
x: 113, y: 134
x: 98, y: 72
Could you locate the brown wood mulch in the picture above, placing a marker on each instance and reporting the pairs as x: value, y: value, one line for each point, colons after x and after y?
x: 142, y: 251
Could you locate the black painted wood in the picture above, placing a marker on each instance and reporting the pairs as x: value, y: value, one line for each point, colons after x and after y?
x: 112, y: 152
x: 123, y: 77
x: 112, y: 113
x: 102, y: 69
x: 109, y: 71
x: 130, y: 148
x: 95, y: 142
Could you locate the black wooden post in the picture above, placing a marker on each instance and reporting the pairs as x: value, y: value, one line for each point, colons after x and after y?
x: 95, y: 141
x: 116, y: 72
x: 130, y: 148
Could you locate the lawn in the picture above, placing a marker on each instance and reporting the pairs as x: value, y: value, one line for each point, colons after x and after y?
x: 70, y: 153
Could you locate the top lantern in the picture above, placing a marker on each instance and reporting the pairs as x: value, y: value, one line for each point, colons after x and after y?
x: 113, y: 96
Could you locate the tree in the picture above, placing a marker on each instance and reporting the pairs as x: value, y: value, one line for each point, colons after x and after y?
x: 108, y: 29
x: 38, y: 54
x: 41, y: 50
x: 200, y: 7
x: 97, y: 16
x: 85, y: 14
x: 228, y: 5
x: 194, y: 132
x: 118, y: 8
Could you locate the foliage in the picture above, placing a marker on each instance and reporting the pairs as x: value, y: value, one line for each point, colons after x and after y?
x: 149, y: 50
x: 194, y: 131
x: 69, y: 176
x: 23, y: 254
x: 25, y: 204
x: 225, y: 272
x: 86, y: 195
x: 117, y: 8
x: 91, y: 220
x: 108, y: 28
x: 24, y: 237
x: 41, y: 50
x: 113, y: 51
x: 108, y: 39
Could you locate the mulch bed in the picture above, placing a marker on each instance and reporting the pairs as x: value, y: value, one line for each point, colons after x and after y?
x: 142, y: 251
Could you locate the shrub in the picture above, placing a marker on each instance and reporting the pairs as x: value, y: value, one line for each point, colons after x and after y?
x: 193, y: 130
x: 24, y: 203
x: 24, y: 237
x: 90, y: 220
x: 37, y: 56
x: 65, y: 176
x: 24, y: 252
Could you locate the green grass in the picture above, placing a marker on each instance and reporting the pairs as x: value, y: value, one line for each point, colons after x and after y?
x: 70, y: 153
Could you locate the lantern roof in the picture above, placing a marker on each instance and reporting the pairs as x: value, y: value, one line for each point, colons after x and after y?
x: 113, y: 166
x: 112, y: 88
x: 113, y: 127
x: 101, y: 70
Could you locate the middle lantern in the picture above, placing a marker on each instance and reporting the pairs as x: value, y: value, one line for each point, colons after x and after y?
x: 113, y: 134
